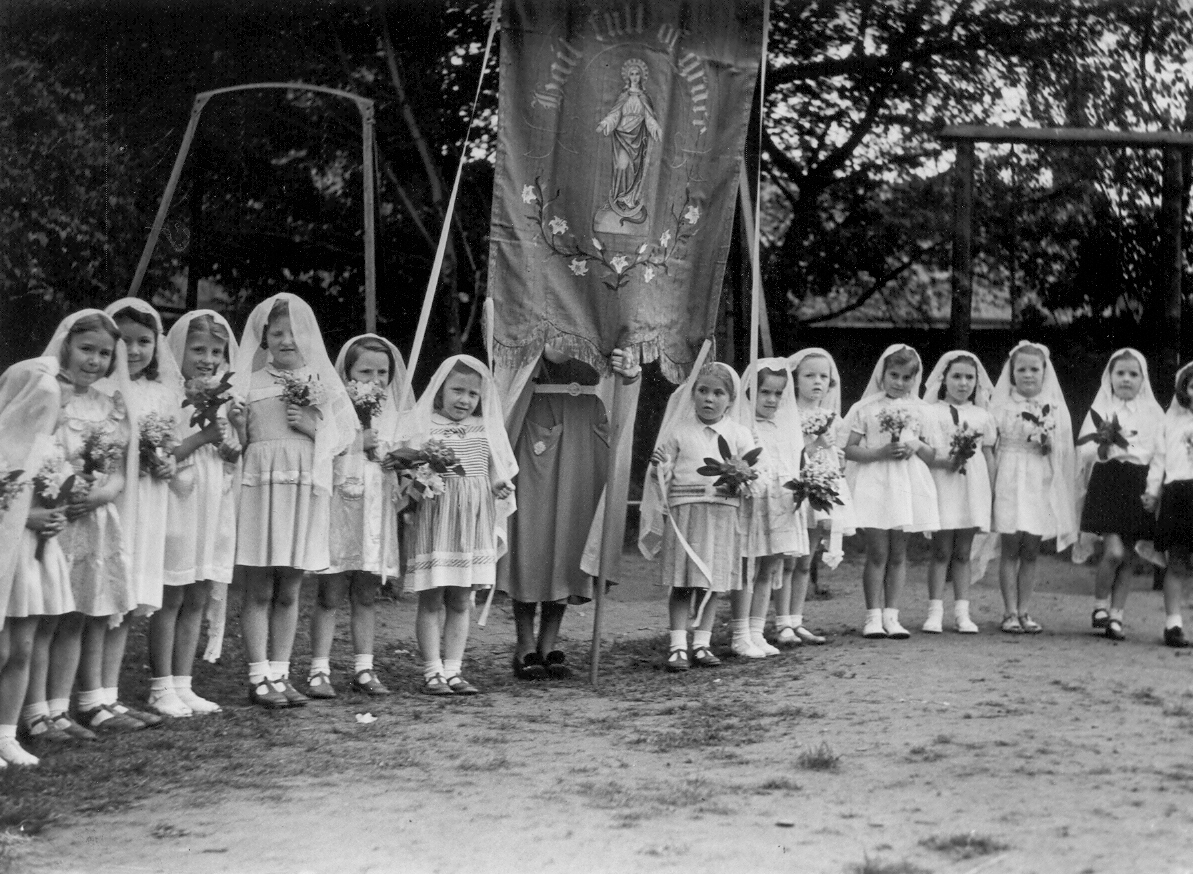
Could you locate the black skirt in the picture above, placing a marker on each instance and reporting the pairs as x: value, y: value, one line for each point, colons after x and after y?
x: 1113, y: 503
x: 1176, y: 516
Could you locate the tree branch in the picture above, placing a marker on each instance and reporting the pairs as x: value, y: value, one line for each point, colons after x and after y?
x: 879, y: 283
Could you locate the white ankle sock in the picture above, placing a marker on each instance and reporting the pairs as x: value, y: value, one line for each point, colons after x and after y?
x: 451, y: 667
x: 781, y: 621
x: 960, y: 608
x: 30, y: 712
x: 160, y: 684
x: 1116, y: 615
x: 797, y: 619
x: 8, y: 732
x: 279, y: 670
x: 874, y: 615
x: 362, y: 662
x: 181, y: 683
x: 890, y: 614
x: 58, y: 705
x: 757, y: 624
x: 935, y: 608
x: 111, y: 695
x: 320, y: 666
x: 90, y: 699
x: 1102, y: 604
x: 432, y: 667
x: 1173, y: 621
x: 259, y: 671
x: 740, y: 629
x: 701, y: 638
x: 679, y: 640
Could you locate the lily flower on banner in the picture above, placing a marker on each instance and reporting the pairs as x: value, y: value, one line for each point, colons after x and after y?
x: 558, y: 225
x: 528, y: 195
x: 579, y: 267
x: 691, y: 215
x: 665, y: 240
x: 619, y: 263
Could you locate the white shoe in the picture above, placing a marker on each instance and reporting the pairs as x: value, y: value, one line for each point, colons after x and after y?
x: 167, y: 703
x: 874, y: 628
x: 934, y: 624
x: 198, y: 705
x: 760, y: 642
x: 746, y: 649
x: 805, y: 636
x: 965, y: 625
x: 894, y: 630
x: 13, y: 753
x: 788, y: 637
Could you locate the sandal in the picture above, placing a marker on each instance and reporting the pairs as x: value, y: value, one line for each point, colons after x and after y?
x: 1010, y: 624
x: 806, y: 636
x: 460, y: 686
x: 529, y: 667
x: 1030, y: 626
x: 785, y: 636
x: 1100, y: 617
x: 1114, y: 630
x: 557, y: 668
x: 677, y: 661
x: 703, y: 657
x: 436, y: 684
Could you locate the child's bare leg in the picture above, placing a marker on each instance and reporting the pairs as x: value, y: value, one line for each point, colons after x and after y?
x: 938, y: 567
x: 1029, y: 552
x: 162, y: 630
x: 781, y: 596
x: 457, y: 602
x: 1179, y: 571
x: 39, y: 660
x: 803, y: 575
x: 1114, y: 561
x: 427, y: 629
x: 14, y: 675
x: 332, y: 588
x: 362, y: 589
x: 550, y: 621
x: 896, y: 570
x: 678, y: 603
x: 769, y: 568
x: 115, y: 643
x: 1008, y: 573
x: 190, y: 620
x: 254, y: 616
x: 283, y: 619
x: 1107, y: 572
x: 874, y: 572
x: 524, y: 612
x: 962, y: 563
x: 742, y: 643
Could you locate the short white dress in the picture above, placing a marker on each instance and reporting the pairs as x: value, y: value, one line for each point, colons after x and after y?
x: 891, y: 494
x: 201, y: 519
x: 39, y: 588
x: 773, y: 524
x: 153, y: 498
x: 1023, y: 480
x: 364, y: 534
x: 964, y: 499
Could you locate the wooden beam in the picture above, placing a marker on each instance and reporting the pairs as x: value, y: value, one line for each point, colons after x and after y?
x: 961, y: 312
x: 1067, y: 136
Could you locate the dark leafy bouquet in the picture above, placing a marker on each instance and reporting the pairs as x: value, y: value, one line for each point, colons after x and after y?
x: 817, y: 482
x: 156, y: 442
x: 100, y: 452
x: 53, y: 486
x: 1041, y: 427
x: 301, y: 391
x: 964, y: 443
x: 732, y: 473
x: 207, y: 394
x: 422, y: 470
x: 10, y: 486
x: 1107, y: 433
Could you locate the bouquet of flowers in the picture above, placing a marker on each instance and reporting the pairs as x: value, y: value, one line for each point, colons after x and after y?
x: 964, y: 443
x: 367, y: 398
x: 894, y: 419
x: 156, y: 442
x: 207, y: 394
x: 100, y: 452
x: 817, y: 482
x: 1106, y: 433
x: 300, y: 391
x: 10, y: 486
x: 732, y: 473
x: 53, y: 485
x: 422, y: 470
x: 816, y: 422
x: 1041, y: 426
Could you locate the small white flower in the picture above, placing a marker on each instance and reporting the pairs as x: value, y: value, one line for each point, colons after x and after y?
x: 642, y: 248
x: 619, y: 262
x: 648, y: 274
x: 528, y: 195
x: 598, y: 245
x: 579, y: 267
x: 691, y: 215
x: 539, y: 447
x: 665, y: 240
x: 558, y: 225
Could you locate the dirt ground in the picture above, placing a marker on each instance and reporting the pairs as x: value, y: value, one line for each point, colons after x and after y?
x: 1063, y: 752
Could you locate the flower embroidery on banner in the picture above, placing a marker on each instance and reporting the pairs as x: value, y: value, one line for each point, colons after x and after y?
x: 691, y: 215
x: 648, y: 274
x: 528, y: 195
x: 619, y: 263
x: 539, y: 447
x: 558, y: 225
x: 579, y: 267
x: 665, y: 240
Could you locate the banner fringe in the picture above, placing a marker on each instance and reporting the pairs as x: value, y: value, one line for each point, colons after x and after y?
x: 516, y: 357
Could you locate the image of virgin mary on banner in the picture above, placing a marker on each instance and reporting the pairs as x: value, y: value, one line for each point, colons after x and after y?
x: 621, y: 128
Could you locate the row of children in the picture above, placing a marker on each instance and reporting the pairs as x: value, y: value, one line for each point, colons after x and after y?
x: 978, y: 466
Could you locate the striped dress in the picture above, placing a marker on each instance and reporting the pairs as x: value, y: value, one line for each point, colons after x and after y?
x: 452, y: 539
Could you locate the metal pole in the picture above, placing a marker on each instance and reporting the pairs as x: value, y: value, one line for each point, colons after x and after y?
x: 368, y: 171
x: 962, y: 303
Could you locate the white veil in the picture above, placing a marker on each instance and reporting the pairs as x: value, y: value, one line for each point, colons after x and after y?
x: 786, y: 416
x: 176, y: 338
x: 338, y: 426
x: 832, y: 397
x: 168, y: 373
x: 875, y: 392
x: 386, y: 424
x: 982, y: 393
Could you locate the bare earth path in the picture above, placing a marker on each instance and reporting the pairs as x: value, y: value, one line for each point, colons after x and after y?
x: 1057, y: 753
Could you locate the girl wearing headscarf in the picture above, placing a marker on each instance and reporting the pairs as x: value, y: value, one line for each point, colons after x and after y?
x: 299, y: 418
x: 1033, y: 484
x: 957, y: 392
x: 363, y: 539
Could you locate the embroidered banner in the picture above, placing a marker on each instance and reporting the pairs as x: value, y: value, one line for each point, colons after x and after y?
x: 621, y: 126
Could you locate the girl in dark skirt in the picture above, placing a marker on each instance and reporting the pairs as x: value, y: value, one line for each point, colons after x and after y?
x: 1115, y: 447
x: 1170, y: 486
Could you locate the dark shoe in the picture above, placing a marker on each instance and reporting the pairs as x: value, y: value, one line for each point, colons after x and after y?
x: 1175, y: 637
x: 530, y: 667
x: 677, y: 661
x: 1100, y: 618
x: 47, y: 732
x: 557, y: 668
x: 1114, y: 630
x: 436, y: 685
x: 293, y: 696
x: 319, y: 686
x: 111, y: 721
x: 72, y: 728
x: 460, y: 686
x: 151, y: 720
x: 268, y: 693
x: 702, y: 657
x: 367, y: 682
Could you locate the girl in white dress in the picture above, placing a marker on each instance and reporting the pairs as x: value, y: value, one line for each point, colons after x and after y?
x: 1033, y: 484
x: 818, y: 398
x: 958, y: 392
x: 29, y: 401
x: 363, y: 539
x: 455, y: 537
x: 775, y: 528
x: 692, y: 521
x: 892, y: 488
x: 299, y: 419
x: 201, y: 522
x: 1112, y: 478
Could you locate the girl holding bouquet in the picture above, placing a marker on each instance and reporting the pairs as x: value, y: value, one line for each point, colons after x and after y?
x: 459, y: 527
x: 298, y: 419
x: 1114, y: 450
x: 101, y: 445
x: 688, y: 516
x: 363, y: 539
x: 776, y: 526
x: 958, y: 392
x: 201, y: 518
x: 1034, y: 457
x: 892, y: 488
x: 818, y: 398
x: 29, y: 402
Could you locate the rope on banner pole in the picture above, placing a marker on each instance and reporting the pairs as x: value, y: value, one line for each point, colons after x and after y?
x: 437, y: 266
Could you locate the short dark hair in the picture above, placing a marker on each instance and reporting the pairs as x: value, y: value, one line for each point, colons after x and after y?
x: 1027, y: 349
x: 142, y: 318
x: 370, y: 344
x: 968, y: 359
x: 93, y: 322
x: 1182, y: 386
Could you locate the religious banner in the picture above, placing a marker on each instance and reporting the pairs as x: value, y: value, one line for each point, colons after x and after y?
x: 621, y: 128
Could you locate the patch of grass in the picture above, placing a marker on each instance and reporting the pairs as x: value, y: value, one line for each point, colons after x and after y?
x: 874, y: 865
x: 942, y: 739
x: 923, y: 754
x: 1147, y: 695
x: 779, y: 784
x: 965, y: 846
x: 1179, y: 708
x: 163, y: 830
x: 821, y: 758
